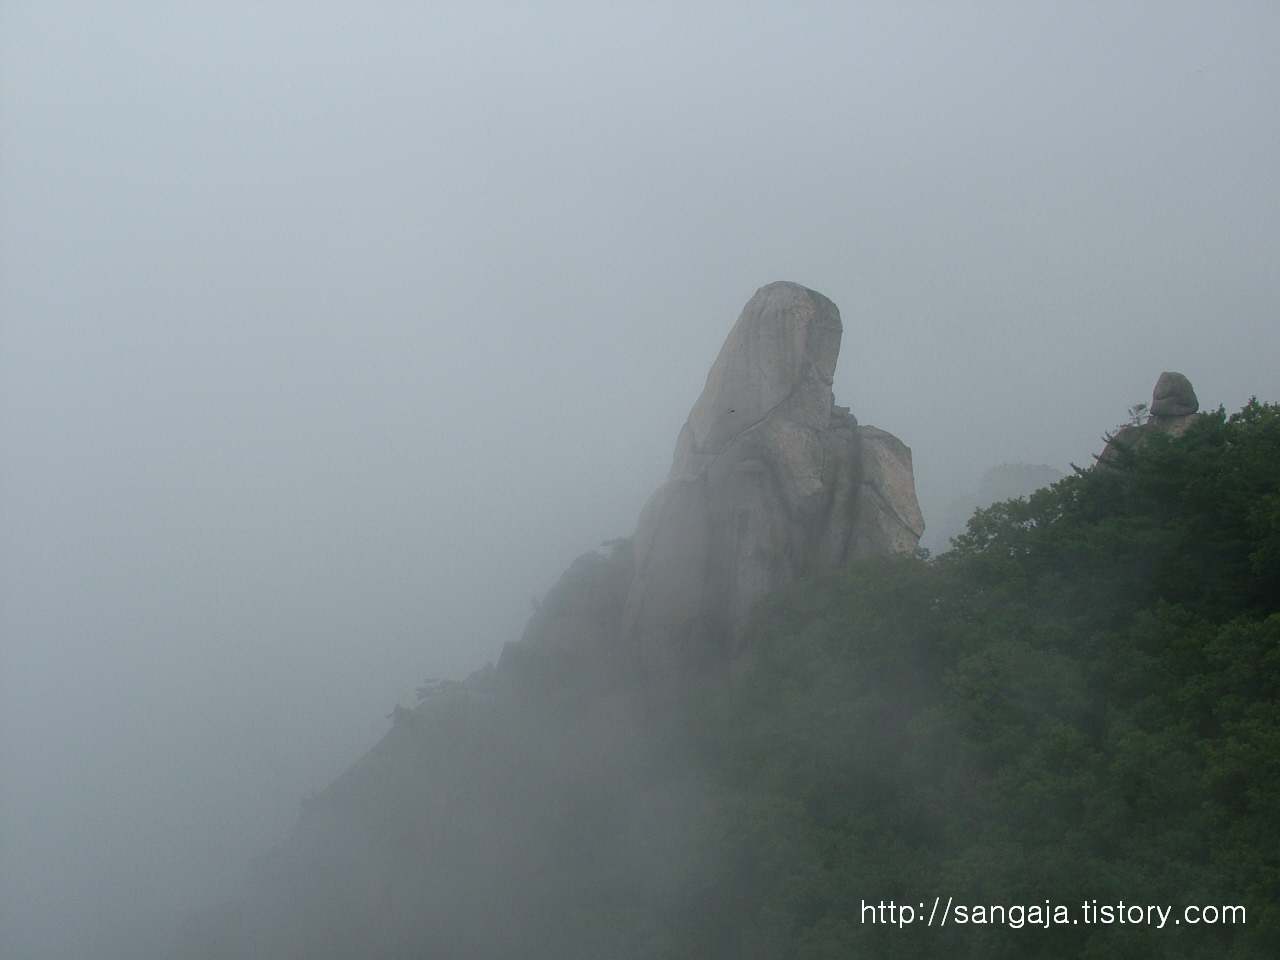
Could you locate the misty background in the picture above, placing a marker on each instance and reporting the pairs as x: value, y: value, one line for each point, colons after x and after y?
x: 330, y: 334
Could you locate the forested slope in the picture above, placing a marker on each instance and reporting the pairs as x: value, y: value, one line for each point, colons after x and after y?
x: 1077, y: 703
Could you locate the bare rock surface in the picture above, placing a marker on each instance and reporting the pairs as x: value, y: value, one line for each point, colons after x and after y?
x: 779, y: 359
x: 1173, y: 396
x: 770, y: 481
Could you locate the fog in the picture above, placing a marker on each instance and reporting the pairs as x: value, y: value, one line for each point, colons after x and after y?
x: 332, y: 333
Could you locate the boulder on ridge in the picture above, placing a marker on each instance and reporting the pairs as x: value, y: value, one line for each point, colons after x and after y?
x: 1173, y: 409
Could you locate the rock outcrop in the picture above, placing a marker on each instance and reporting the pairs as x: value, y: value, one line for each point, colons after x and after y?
x: 770, y: 481
x: 1174, y: 408
x: 1173, y: 398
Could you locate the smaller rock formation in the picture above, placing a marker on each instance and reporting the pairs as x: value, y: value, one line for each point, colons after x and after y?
x: 1174, y: 408
x: 1173, y: 403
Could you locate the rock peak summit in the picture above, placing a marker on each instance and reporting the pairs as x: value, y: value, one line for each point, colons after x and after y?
x: 770, y: 481
x: 779, y: 356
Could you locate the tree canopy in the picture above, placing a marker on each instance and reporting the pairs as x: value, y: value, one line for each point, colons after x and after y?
x: 1079, y: 702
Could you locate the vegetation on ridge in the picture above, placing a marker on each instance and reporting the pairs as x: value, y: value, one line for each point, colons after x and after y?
x: 1079, y: 702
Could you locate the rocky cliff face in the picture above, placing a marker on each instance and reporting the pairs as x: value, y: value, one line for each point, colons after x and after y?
x: 770, y: 480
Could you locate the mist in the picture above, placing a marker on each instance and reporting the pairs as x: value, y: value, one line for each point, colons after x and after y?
x: 332, y: 333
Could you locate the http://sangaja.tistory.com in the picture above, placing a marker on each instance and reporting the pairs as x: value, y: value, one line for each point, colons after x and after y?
x: 949, y: 913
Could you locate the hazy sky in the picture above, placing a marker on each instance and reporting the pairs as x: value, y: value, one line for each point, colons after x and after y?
x: 330, y: 333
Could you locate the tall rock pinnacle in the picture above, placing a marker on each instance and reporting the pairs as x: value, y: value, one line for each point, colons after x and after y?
x: 770, y: 480
x: 779, y: 358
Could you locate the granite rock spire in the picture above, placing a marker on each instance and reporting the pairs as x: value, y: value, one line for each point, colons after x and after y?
x: 770, y: 481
